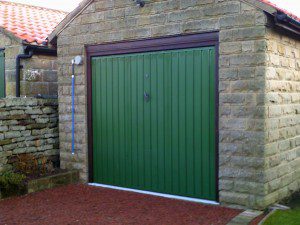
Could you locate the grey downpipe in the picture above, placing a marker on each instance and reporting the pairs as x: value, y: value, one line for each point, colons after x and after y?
x: 18, y: 69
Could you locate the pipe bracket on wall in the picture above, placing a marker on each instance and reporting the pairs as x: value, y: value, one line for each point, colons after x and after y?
x: 140, y: 3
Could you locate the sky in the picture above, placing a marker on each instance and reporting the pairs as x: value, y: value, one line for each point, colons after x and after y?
x: 68, y: 5
x: 65, y: 5
x: 292, y: 6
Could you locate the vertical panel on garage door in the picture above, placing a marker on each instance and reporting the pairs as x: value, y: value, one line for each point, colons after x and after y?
x: 165, y: 143
x: 2, y: 75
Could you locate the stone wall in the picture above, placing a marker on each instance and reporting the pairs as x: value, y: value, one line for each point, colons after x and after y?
x: 242, y: 82
x: 28, y: 126
x: 39, y: 75
x: 13, y: 47
x: 282, y: 103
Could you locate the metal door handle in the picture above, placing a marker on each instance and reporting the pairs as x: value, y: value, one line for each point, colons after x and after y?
x: 146, y: 97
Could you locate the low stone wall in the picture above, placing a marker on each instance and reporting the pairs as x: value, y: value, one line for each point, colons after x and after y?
x: 54, y: 181
x: 28, y: 126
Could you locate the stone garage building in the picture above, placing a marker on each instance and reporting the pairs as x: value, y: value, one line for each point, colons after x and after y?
x: 23, y: 33
x: 196, y: 98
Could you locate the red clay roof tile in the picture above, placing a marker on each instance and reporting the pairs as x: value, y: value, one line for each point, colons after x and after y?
x: 32, y: 24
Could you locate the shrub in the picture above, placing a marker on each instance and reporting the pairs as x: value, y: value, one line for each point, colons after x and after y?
x: 12, y: 184
x: 32, y: 165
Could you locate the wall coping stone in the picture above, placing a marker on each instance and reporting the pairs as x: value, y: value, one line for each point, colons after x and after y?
x: 10, y: 102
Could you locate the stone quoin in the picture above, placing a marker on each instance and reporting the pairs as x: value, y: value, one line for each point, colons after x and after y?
x: 258, y: 85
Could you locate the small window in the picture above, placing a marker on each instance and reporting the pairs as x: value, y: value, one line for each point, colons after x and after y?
x: 2, y: 74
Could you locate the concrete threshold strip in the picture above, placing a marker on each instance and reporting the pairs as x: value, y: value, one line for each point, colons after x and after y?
x: 157, y: 194
x: 245, y: 217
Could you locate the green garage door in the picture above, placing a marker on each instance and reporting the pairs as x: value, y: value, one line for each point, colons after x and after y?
x: 2, y: 75
x: 154, y: 121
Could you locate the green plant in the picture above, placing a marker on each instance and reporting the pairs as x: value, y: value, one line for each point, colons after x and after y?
x: 288, y: 217
x: 27, y: 164
x: 12, y: 184
x: 31, y: 165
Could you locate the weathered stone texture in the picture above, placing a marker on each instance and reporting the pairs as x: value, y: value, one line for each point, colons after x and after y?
x: 13, y: 47
x: 243, y: 67
x: 54, y: 181
x: 28, y: 125
x: 39, y: 76
x: 242, y: 82
x: 39, y: 73
x: 282, y: 123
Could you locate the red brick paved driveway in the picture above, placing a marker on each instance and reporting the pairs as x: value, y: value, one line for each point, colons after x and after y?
x: 82, y: 204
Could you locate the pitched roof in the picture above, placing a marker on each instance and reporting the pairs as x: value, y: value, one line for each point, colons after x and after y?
x: 31, y: 24
x: 69, y: 18
x: 271, y: 3
x: 266, y: 5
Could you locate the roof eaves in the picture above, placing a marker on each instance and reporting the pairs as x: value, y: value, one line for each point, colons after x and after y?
x: 83, y: 5
x: 11, y: 35
x: 291, y: 25
x: 28, y: 24
x: 68, y: 19
x: 287, y: 22
x: 281, y: 10
x: 72, y: 15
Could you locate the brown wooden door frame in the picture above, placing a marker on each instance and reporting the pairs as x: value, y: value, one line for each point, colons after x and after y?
x: 152, y: 45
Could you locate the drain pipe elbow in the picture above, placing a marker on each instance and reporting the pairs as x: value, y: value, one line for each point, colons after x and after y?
x: 18, y: 70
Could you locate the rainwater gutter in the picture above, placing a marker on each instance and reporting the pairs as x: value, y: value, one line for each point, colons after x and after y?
x: 29, y: 51
x: 285, y: 21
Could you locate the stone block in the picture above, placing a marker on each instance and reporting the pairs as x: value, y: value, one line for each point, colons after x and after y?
x: 16, y: 135
x: 71, y: 177
x: 12, y: 134
x: 257, y: 84
x: 222, y: 9
x: 234, y: 198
